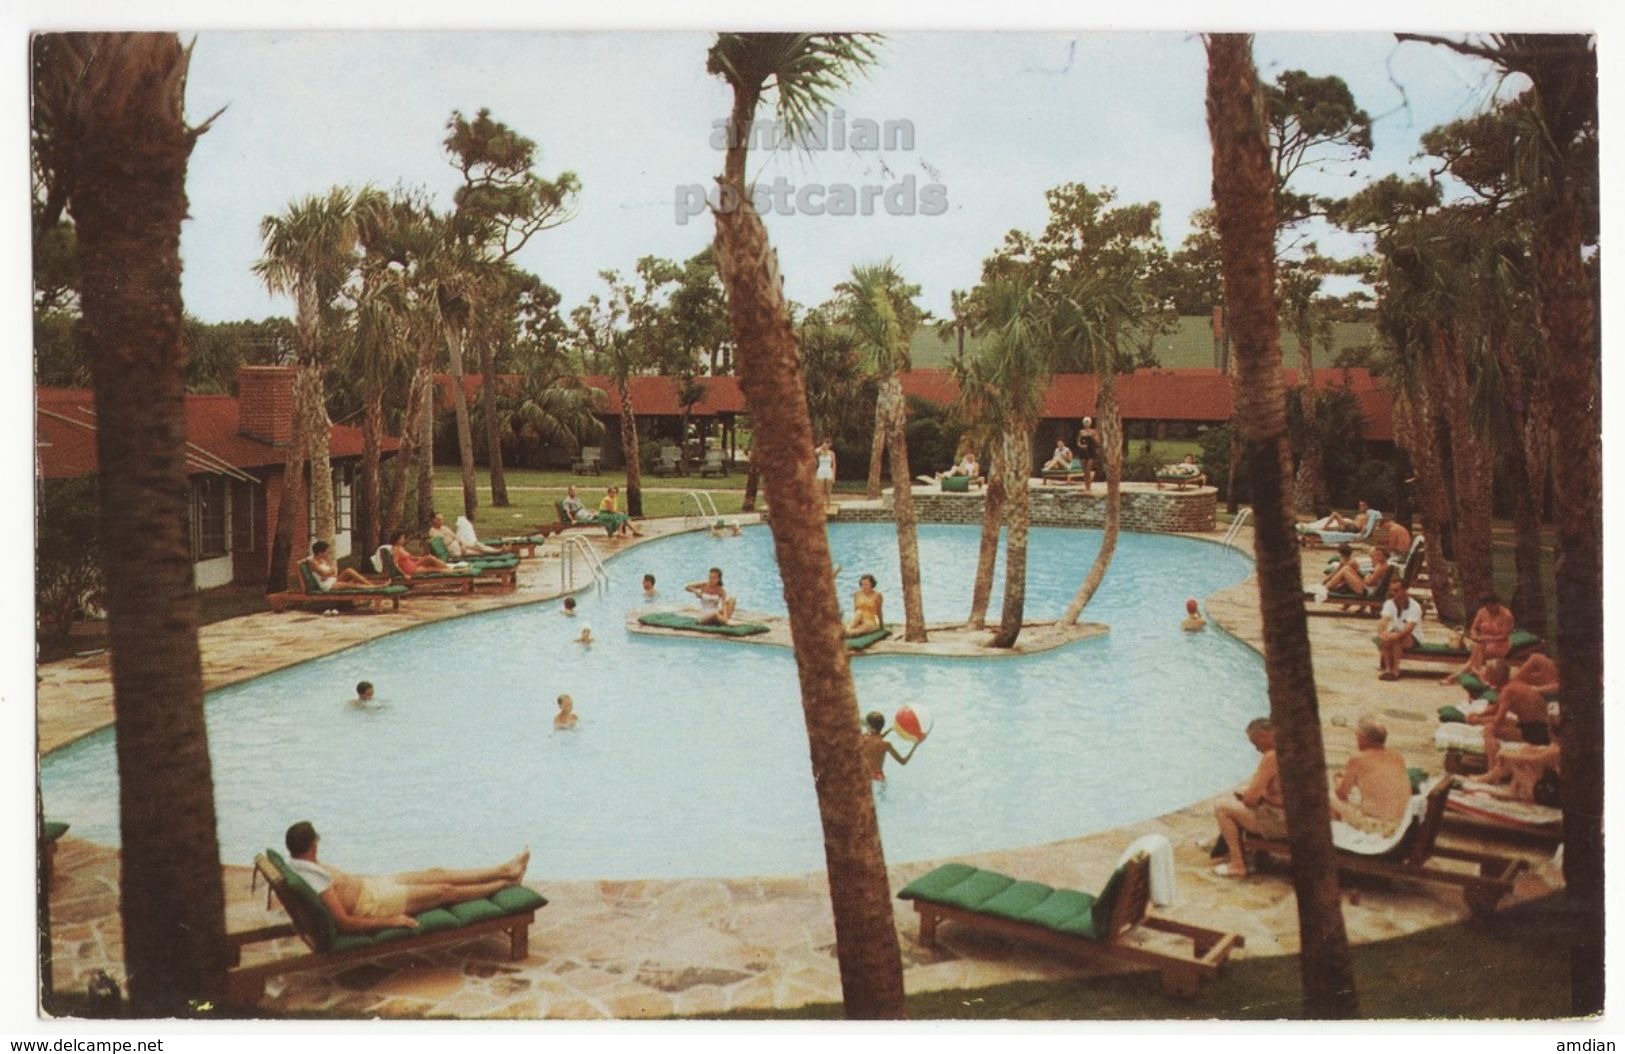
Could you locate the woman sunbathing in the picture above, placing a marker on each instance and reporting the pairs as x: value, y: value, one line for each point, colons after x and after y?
x: 716, y: 606
x: 1491, y: 634
x: 1061, y: 460
x: 408, y: 564
x: 329, y: 578
x: 1347, y: 577
x: 866, y: 608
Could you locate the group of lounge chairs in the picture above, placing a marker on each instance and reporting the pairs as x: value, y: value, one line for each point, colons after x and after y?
x: 496, y: 570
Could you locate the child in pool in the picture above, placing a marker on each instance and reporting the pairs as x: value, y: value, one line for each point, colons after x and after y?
x: 875, y: 748
x: 1194, y: 621
x: 566, y: 718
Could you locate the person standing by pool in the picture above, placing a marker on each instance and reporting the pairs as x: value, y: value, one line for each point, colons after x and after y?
x: 367, y: 903
x: 867, y: 608
x: 875, y: 748
x: 566, y: 718
x: 1258, y: 808
x: 1088, y: 451
x: 716, y: 606
x: 824, y: 474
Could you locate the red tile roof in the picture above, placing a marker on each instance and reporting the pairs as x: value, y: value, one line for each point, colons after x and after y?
x: 66, y: 438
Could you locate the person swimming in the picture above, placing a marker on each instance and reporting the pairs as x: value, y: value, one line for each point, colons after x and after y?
x: 566, y: 718
x: 1193, y: 617
x: 875, y: 748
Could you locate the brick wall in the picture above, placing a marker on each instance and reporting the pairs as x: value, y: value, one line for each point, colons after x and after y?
x: 265, y: 403
x: 1164, y: 511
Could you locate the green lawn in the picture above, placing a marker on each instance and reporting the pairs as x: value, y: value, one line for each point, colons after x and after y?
x: 1513, y: 965
x: 532, y: 495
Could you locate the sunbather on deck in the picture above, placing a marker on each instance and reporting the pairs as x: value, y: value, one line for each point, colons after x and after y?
x: 366, y: 903
x: 1347, y: 578
x: 1061, y: 459
x: 1523, y: 766
x: 1258, y: 808
x: 1491, y: 634
x: 408, y: 564
x: 573, y: 508
x: 1518, y: 716
x: 1395, y: 536
x: 1539, y: 673
x: 1378, y: 775
x: 328, y: 576
x: 614, y: 520
x: 716, y: 606
x: 867, y: 606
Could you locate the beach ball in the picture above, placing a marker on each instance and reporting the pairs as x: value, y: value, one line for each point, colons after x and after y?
x: 912, y: 722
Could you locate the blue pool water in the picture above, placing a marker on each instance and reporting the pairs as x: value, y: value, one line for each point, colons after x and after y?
x: 691, y: 756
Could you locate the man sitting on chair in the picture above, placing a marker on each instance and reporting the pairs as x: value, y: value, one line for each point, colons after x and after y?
x: 365, y: 903
x: 1379, y: 775
x: 1258, y: 808
x: 1061, y: 460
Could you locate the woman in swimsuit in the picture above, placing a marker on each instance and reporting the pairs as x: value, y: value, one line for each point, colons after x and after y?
x: 825, y: 473
x: 1491, y: 634
x: 716, y: 606
x: 408, y: 564
x: 866, y: 608
x: 1088, y: 451
x: 329, y: 577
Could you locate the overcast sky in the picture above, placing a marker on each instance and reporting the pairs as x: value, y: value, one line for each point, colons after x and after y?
x: 997, y: 119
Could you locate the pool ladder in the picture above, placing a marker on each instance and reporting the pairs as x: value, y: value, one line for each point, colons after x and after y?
x: 589, y: 556
x: 1236, y: 525
x: 704, y: 507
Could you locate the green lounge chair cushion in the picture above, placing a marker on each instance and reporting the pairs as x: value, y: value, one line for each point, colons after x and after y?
x: 308, y: 577
x: 51, y: 830
x: 1417, y: 778
x: 1521, y: 639
x: 988, y: 892
x: 484, y: 562
x: 1452, y: 715
x: 517, y: 899
x: 527, y: 539
x: 956, y: 484
x: 1474, y: 686
x: 674, y: 620
x: 864, y: 640
x: 327, y: 931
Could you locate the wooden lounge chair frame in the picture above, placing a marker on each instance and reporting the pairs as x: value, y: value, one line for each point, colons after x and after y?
x: 1453, y: 658
x: 589, y: 462
x: 1181, y: 973
x: 1482, y: 888
x: 246, y: 984
x: 335, y: 598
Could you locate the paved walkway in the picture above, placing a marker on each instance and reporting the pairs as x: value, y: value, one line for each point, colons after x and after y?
x: 701, y: 946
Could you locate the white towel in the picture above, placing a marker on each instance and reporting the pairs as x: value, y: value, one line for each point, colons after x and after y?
x: 1161, y: 855
x: 1351, y: 839
x: 377, y: 559
x: 465, y: 531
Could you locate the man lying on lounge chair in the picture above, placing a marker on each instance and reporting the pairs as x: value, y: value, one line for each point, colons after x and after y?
x: 455, y: 544
x: 365, y: 903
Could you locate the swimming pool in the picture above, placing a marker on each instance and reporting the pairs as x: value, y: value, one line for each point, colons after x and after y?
x: 691, y: 756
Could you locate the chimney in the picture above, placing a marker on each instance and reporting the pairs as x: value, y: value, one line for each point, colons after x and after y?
x: 265, y: 403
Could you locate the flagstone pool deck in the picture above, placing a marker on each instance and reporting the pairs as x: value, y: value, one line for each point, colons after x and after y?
x: 654, y: 948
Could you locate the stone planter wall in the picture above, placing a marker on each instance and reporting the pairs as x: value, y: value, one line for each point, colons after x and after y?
x: 1163, y: 511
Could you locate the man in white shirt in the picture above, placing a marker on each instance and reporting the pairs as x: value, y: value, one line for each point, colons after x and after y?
x: 1397, y: 628
x: 365, y: 903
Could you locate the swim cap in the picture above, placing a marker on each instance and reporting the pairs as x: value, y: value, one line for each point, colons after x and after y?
x: 1190, y: 606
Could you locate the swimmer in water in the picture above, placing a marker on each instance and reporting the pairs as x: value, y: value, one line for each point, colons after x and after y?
x: 363, y: 694
x: 875, y: 748
x: 566, y: 718
x: 1193, y: 618
x: 586, y: 634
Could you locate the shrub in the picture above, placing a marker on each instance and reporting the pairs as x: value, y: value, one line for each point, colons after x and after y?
x: 69, y: 577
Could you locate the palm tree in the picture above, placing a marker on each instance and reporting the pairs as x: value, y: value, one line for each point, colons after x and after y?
x: 376, y: 356
x: 976, y: 404
x: 803, y: 69
x: 880, y: 308
x: 111, y: 106
x: 310, y: 255
x: 1243, y: 186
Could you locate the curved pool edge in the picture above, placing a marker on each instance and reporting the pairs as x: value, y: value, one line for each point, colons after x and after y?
x: 765, y: 941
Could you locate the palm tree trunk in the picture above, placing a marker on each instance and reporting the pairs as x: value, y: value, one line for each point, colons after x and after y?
x: 1243, y: 185
x: 753, y: 480
x: 866, y: 944
x: 368, y: 503
x: 407, y: 454
x: 465, y: 434
x: 1568, y: 317
x: 1310, y: 486
x: 877, y: 446
x: 312, y: 405
x: 908, y: 541
x: 1111, y: 435
x: 1471, y: 467
x: 493, y: 427
x: 630, y: 450
x: 1527, y: 457
x: 425, y: 483
x: 1434, y: 486
x: 1529, y: 592
x: 1017, y: 455
x: 988, y: 554
x: 1232, y: 501
x: 127, y: 204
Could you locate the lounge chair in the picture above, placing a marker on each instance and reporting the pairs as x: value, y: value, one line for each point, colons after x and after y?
x: 954, y: 484
x: 1072, y: 474
x: 312, y: 595
x: 480, y: 562
x: 1342, y: 602
x: 509, y: 911
x: 1410, y: 851
x: 670, y: 463
x: 1523, y: 642
x: 589, y: 462
x: 455, y: 581
x: 1181, y: 476
x: 716, y: 464
x: 1071, y: 921
x: 567, y: 524
x: 520, y: 544
x: 1332, y: 539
